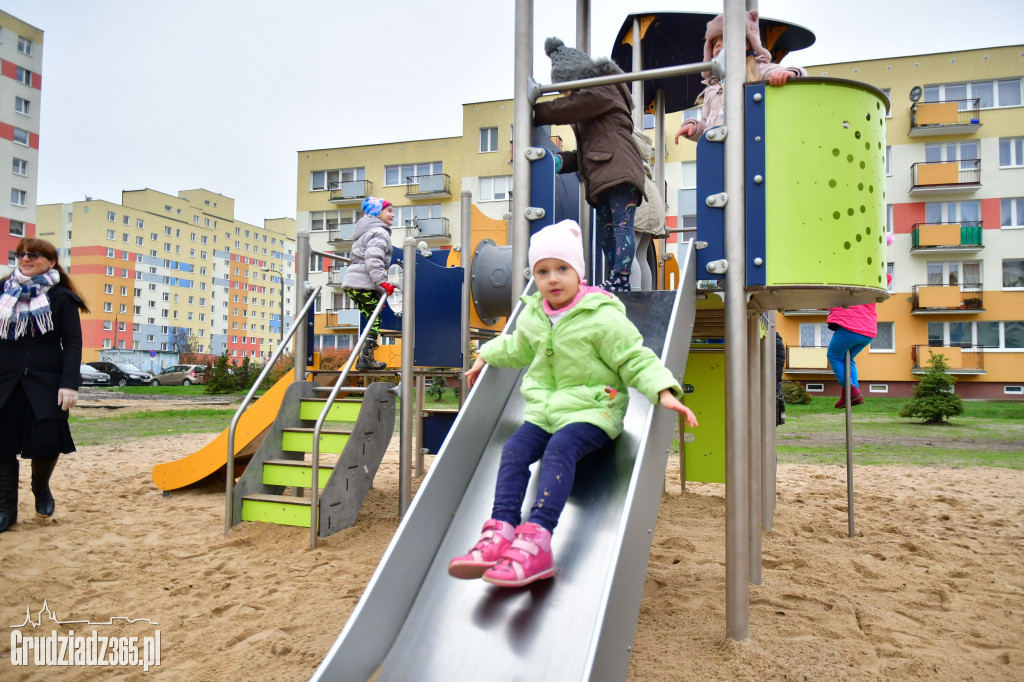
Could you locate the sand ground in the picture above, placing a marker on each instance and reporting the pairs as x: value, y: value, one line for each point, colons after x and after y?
x: 932, y: 587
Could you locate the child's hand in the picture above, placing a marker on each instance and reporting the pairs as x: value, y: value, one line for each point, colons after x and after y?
x: 474, y: 371
x: 779, y: 77
x: 671, y: 402
x: 686, y: 130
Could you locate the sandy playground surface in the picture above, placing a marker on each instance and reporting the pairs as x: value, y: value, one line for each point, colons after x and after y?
x: 932, y: 588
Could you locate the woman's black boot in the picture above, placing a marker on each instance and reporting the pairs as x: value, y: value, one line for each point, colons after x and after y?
x: 41, y: 470
x: 8, y: 493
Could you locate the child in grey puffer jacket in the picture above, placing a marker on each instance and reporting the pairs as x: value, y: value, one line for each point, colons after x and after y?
x: 367, y: 275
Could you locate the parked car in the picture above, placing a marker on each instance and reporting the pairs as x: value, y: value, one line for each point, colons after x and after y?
x: 123, y: 373
x: 183, y: 375
x: 93, y: 377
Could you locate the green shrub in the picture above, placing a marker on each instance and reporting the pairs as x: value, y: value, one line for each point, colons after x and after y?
x: 220, y: 379
x: 934, y: 400
x: 794, y: 394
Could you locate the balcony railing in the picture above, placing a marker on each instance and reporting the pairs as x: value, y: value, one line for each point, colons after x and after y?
x: 350, y: 191
x: 965, y: 359
x: 807, y: 360
x: 341, y: 232
x: 428, y: 186
x: 342, y: 318
x: 805, y: 312
x: 964, y: 236
x: 949, y: 117
x: 945, y: 298
x: 945, y: 176
x: 430, y: 227
x: 336, y: 275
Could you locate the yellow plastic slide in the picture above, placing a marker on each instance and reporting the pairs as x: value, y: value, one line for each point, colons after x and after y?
x: 211, y: 457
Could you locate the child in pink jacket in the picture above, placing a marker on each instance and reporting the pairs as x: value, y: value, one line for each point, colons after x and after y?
x: 759, y: 67
x: 853, y: 328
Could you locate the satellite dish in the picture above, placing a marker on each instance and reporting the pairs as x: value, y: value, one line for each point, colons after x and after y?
x: 395, y: 278
x: 915, y: 93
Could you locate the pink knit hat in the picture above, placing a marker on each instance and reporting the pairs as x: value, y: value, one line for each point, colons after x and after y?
x: 714, y: 30
x: 562, y: 241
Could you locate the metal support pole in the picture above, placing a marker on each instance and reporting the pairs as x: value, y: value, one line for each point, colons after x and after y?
x: 737, y: 589
x: 754, y: 401
x: 301, y: 282
x: 638, y: 86
x: 522, y: 128
x: 583, y: 208
x: 682, y: 454
x: 849, y: 446
x: 408, y: 380
x: 768, y: 423
x: 421, y: 389
x: 467, y: 254
x: 659, y: 173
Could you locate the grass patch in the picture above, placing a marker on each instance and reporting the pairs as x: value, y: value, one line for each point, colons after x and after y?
x: 108, y: 428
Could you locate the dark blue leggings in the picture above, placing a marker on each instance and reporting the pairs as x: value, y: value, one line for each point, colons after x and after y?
x: 615, y: 212
x: 559, y: 452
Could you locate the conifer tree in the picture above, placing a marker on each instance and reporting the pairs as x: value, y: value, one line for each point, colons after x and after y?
x: 934, y: 400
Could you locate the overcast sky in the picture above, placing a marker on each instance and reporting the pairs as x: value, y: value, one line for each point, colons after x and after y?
x: 222, y: 94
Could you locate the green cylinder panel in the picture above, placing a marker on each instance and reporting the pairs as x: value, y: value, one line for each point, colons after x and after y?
x: 825, y: 184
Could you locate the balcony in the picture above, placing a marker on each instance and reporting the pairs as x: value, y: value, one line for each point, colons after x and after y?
x: 807, y: 360
x: 430, y: 227
x: 950, y: 117
x: 962, y: 237
x: 950, y: 177
x: 341, y: 232
x: 805, y: 312
x: 961, y: 359
x: 350, y: 192
x: 336, y: 275
x: 931, y: 299
x: 343, y: 318
x: 437, y: 185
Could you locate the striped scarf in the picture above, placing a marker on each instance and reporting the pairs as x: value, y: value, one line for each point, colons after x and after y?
x: 24, y: 301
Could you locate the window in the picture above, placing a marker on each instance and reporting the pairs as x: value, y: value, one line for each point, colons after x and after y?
x: 1013, y: 390
x: 404, y: 215
x: 966, y: 153
x: 139, y: 240
x: 21, y: 137
x: 111, y: 217
x: 687, y: 197
x: 17, y: 228
x: 109, y: 271
x: 24, y: 46
x: 888, y: 95
x: 648, y: 121
x: 815, y: 388
x: 108, y: 307
x: 1013, y: 273
x: 140, y: 223
x: 495, y: 189
x: 406, y: 173
x: 994, y: 336
x: 878, y: 388
x: 888, y: 160
x: 1011, y: 152
x: 18, y: 197
x: 24, y: 76
x: 331, y: 179
x: 110, y: 234
x: 884, y: 339
x: 1012, y: 212
x: 990, y: 94
x: 953, y: 212
x: 488, y: 140
x: 22, y: 106
x: 890, y: 270
x: 110, y: 253
x: 815, y: 334
x: 954, y: 272
x: 108, y: 288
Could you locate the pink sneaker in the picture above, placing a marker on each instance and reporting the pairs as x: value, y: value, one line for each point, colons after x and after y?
x: 528, y: 559
x: 495, y: 538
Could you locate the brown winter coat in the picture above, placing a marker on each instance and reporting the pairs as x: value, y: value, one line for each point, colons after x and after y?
x: 602, y: 121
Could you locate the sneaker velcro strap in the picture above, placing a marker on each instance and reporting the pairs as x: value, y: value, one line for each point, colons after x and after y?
x: 525, y: 545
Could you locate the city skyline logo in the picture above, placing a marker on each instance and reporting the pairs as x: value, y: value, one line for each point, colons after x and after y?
x: 52, y: 617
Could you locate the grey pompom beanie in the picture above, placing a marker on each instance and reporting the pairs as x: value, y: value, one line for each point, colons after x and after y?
x: 569, y: 64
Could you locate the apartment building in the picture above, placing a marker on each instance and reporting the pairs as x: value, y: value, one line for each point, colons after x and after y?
x: 955, y: 193
x: 165, y: 273
x: 21, y: 60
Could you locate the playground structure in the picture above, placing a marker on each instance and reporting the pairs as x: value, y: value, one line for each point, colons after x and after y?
x: 775, y: 231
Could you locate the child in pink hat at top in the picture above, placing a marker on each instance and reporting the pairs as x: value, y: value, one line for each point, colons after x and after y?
x: 583, y: 354
x: 759, y: 67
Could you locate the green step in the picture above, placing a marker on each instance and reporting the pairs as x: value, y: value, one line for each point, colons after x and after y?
x: 344, y: 410
x: 301, y: 440
x: 294, y: 473
x: 280, y: 509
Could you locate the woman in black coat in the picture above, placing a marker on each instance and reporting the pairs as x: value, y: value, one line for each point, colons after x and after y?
x: 40, y: 357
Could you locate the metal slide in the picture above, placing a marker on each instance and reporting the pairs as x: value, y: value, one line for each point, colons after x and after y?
x: 415, y: 622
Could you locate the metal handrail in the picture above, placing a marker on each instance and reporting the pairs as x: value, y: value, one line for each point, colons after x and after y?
x: 314, y: 516
x: 300, y: 319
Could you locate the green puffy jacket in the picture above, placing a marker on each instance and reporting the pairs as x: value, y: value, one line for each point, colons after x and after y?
x: 575, y: 365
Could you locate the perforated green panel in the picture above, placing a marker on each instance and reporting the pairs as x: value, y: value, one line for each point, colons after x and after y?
x: 825, y: 184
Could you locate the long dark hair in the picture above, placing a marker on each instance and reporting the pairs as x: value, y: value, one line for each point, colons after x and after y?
x: 49, y: 252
